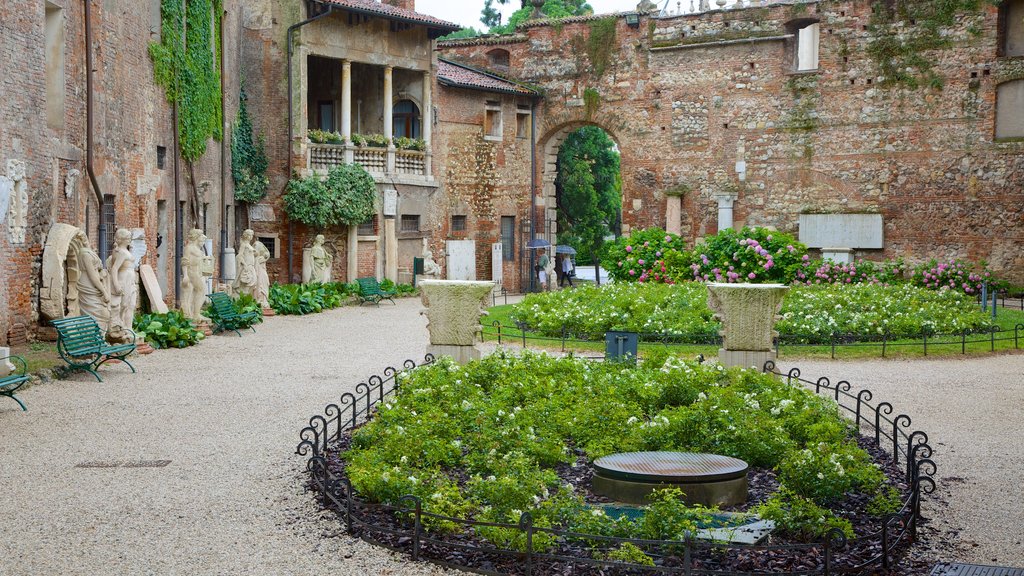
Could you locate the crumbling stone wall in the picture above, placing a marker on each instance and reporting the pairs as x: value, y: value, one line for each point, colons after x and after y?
x: 689, y: 97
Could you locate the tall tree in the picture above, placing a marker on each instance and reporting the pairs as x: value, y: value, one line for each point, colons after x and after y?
x: 589, y: 190
x: 491, y: 16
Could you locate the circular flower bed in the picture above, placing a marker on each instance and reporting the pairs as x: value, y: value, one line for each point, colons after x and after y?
x: 510, y: 435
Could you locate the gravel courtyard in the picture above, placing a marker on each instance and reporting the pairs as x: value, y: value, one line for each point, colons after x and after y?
x: 231, y: 501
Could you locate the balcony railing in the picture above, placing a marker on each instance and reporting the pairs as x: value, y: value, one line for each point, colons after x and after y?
x: 374, y: 160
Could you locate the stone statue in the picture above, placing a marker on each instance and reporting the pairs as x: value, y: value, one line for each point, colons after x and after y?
x: 320, y: 270
x: 262, y: 292
x: 124, y: 288
x: 93, y: 294
x: 192, y: 285
x: 430, y: 268
x: 245, y: 265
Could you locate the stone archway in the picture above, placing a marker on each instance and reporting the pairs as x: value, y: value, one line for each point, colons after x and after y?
x: 550, y: 144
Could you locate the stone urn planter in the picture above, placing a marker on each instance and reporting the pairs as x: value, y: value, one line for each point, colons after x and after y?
x: 748, y: 313
x: 454, y: 308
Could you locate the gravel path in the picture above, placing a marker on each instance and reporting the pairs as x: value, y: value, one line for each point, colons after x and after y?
x: 231, y: 501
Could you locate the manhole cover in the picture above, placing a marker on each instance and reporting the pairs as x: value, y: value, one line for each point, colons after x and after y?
x: 124, y: 464
x: 670, y: 467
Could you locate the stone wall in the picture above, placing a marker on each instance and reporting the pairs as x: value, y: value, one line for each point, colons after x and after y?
x: 690, y: 99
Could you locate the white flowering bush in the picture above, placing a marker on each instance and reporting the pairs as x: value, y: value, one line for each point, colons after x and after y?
x: 485, y: 440
x: 810, y: 314
x: 825, y: 472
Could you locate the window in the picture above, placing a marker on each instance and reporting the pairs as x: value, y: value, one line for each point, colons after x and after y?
x: 406, y: 119
x: 107, y: 219
x: 1009, y: 103
x: 492, y: 120
x: 161, y: 157
x: 458, y: 223
x: 54, y: 66
x: 523, y: 121
x: 1011, y: 28
x: 804, y: 52
x: 499, y: 59
x: 326, y: 109
x: 410, y: 223
x: 368, y: 228
x: 270, y: 241
x: 508, y: 238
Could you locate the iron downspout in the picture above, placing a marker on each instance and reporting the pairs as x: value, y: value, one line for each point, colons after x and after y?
x: 533, y: 187
x: 291, y: 128
x: 223, y: 154
x: 101, y: 232
x: 179, y: 217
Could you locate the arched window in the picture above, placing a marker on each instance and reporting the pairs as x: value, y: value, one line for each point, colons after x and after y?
x: 1010, y: 109
x: 406, y: 119
x: 499, y: 58
x: 1011, y: 28
x: 804, y: 51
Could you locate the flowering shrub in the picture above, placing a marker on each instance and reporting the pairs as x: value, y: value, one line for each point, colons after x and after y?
x: 955, y: 275
x: 801, y: 518
x: 825, y: 472
x: 484, y: 440
x: 640, y: 256
x: 750, y: 255
x: 859, y: 272
x: 810, y: 314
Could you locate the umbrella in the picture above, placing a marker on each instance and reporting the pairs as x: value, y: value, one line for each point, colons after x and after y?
x: 538, y: 244
x: 561, y: 249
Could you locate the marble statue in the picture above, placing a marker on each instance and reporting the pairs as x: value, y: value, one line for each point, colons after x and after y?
x: 245, y: 265
x: 193, y: 286
x: 430, y: 268
x: 124, y: 288
x: 93, y: 295
x: 262, y: 292
x: 320, y: 270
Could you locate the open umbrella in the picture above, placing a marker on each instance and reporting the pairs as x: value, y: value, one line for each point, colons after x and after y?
x: 562, y: 249
x: 538, y: 244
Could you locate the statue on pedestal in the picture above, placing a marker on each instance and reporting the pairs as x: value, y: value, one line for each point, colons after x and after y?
x: 430, y: 267
x: 93, y: 293
x: 262, y: 292
x: 245, y: 264
x: 320, y: 269
x: 192, y: 285
x: 124, y: 288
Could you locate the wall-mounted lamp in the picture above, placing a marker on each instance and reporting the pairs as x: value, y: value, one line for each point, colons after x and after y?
x: 633, y: 20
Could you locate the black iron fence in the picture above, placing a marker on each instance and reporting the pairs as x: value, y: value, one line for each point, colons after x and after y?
x: 533, y: 549
x: 989, y: 339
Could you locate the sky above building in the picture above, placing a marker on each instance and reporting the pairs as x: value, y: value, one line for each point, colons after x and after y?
x: 467, y: 12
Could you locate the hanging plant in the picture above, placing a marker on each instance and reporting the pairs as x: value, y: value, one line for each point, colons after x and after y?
x: 248, y: 158
x: 344, y: 197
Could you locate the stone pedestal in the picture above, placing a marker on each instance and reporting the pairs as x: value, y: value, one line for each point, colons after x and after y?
x: 748, y: 314
x: 454, y: 308
x: 838, y: 255
x: 268, y: 312
x: 673, y: 214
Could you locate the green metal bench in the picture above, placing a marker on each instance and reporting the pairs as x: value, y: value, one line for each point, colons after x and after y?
x: 10, y: 383
x: 227, y: 317
x: 81, y: 344
x: 370, y: 291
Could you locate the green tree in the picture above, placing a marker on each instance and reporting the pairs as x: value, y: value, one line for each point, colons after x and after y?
x: 589, y: 190
x: 551, y: 9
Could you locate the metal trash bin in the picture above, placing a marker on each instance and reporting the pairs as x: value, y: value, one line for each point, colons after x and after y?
x: 417, y: 269
x: 621, y: 346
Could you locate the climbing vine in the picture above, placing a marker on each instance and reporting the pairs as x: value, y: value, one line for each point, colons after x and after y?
x: 601, y: 43
x: 186, y: 65
x: 248, y: 158
x: 345, y: 196
x: 905, y: 31
x: 591, y: 102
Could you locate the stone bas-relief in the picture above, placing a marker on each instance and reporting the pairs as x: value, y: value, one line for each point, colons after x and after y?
x: 17, y: 211
x: 748, y: 314
x: 58, y: 295
x: 454, y: 308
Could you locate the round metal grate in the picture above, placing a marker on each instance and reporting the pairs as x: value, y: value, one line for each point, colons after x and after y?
x: 670, y: 467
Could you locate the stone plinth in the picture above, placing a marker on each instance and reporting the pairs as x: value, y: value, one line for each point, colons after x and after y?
x: 748, y: 314
x: 454, y: 308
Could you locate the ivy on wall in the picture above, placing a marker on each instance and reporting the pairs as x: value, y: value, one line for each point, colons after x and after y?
x: 904, y: 31
x: 248, y: 158
x: 345, y: 196
x: 601, y: 44
x: 186, y: 64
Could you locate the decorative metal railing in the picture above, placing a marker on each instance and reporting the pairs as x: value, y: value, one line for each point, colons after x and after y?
x: 402, y: 527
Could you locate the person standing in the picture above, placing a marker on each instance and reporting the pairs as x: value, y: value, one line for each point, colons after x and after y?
x: 566, y: 271
x: 542, y: 272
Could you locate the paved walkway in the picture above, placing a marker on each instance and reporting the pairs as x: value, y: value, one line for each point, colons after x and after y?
x: 231, y: 500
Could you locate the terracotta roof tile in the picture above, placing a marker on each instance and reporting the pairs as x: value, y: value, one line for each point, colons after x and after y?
x: 459, y: 76
x: 389, y: 11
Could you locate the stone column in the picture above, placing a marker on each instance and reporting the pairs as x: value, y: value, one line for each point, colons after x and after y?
x: 725, y: 203
x: 748, y: 314
x: 389, y: 129
x: 346, y: 108
x: 390, y: 237
x: 454, y: 308
x: 673, y: 214
x: 353, y: 253
x: 427, y: 115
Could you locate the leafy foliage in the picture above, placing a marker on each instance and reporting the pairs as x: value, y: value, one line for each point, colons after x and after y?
x: 641, y: 256
x: 400, y: 289
x: 750, y: 255
x: 955, y: 275
x: 601, y: 44
x: 346, y: 196
x: 248, y: 158
x: 589, y: 190
x: 301, y: 299
x: 552, y: 9
x: 170, y: 330
x: 244, y: 304
x: 800, y: 518
x: 186, y: 65
x: 464, y: 33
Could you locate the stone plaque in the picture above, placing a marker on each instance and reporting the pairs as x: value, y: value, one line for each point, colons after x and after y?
x: 152, y: 286
x: 261, y: 213
x: 6, y: 188
x: 390, y: 202
x: 862, y: 231
x: 138, y: 246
